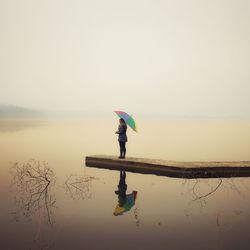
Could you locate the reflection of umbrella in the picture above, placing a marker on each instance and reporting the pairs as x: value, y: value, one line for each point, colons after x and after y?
x: 127, y: 118
x: 130, y: 202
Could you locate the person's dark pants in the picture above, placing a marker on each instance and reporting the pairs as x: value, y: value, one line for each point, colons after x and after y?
x: 122, y: 148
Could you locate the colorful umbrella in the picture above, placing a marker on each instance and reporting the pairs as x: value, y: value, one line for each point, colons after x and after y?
x: 128, y: 119
x: 130, y: 202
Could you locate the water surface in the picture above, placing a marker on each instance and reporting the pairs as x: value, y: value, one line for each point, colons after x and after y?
x: 50, y: 200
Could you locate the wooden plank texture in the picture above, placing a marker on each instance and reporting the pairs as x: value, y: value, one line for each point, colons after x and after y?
x: 197, y: 169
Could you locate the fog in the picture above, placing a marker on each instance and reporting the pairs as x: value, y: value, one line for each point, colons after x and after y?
x: 184, y: 58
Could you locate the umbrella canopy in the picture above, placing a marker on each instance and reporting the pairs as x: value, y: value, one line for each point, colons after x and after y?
x: 128, y: 119
x: 130, y: 202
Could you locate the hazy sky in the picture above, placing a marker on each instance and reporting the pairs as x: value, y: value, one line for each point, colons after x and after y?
x: 179, y: 57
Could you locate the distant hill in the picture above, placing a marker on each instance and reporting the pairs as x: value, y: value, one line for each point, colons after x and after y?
x: 7, y: 111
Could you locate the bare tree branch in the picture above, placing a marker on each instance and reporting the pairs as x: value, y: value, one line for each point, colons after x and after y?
x: 198, y: 197
x: 32, y: 184
x: 79, y: 187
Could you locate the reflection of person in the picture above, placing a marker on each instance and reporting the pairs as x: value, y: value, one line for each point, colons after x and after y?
x: 125, y: 201
x: 122, y: 129
x: 122, y: 188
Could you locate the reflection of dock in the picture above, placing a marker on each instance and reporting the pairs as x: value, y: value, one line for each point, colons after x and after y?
x: 177, y: 169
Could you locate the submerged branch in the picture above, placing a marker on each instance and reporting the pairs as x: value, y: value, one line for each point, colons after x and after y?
x: 32, y: 184
x: 198, y: 197
x: 79, y: 187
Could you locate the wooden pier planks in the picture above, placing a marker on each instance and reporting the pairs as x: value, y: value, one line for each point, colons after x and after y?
x: 177, y: 169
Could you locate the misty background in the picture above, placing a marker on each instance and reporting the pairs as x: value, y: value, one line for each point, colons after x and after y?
x: 176, y: 58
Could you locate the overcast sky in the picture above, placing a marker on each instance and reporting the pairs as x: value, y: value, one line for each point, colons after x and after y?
x: 179, y: 57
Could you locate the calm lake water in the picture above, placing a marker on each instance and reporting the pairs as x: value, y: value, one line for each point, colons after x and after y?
x: 51, y: 200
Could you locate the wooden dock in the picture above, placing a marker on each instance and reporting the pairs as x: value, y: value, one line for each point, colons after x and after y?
x: 178, y: 169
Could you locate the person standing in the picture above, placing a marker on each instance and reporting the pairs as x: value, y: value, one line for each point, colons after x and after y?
x: 122, y: 138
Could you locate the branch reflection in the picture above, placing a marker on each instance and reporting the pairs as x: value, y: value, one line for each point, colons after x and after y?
x: 79, y: 186
x: 32, y: 184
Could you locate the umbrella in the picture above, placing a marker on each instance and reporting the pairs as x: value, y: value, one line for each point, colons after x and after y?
x: 130, y: 202
x: 128, y: 119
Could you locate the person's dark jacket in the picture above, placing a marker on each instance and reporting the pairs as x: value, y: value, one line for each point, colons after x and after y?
x: 122, y: 133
